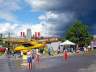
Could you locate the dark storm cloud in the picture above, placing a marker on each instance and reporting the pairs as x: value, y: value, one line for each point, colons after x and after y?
x: 66, y: 5
x: 84, y: 10
x: 62, y: 21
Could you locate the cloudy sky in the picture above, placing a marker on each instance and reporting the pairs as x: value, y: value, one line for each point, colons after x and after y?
x: 50, y: 17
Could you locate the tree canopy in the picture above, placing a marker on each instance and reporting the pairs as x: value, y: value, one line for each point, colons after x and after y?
x: 79, y: 34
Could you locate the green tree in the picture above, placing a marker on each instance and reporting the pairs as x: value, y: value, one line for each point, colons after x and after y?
x: 79, y: 34
x: 61, y: 39
x: 1, y: 40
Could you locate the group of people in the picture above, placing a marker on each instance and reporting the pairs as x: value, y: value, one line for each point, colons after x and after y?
x: 32, y: 55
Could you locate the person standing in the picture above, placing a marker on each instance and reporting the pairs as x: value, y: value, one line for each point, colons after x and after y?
x: 58, y: 50
x: 6, y: 51
x: 65, y: 55
x: 33, y: 55
x: 37, y: 56
x: 29, y: 59
x: 21, y: 54
x: 50, y: 49
x: 78, y: 52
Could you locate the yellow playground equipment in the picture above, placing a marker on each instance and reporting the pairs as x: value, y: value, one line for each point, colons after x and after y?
x: 29, y: 46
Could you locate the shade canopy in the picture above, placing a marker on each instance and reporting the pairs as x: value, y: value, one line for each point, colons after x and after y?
x: 67, y: 42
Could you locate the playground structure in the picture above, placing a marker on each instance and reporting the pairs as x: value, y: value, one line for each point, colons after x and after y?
x: 29, y: 46
x: 22, y: 44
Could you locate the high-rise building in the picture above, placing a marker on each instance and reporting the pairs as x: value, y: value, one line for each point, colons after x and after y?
x: 22, y: 34
x: 37, y: 34
x: 29, y: 34
x: 1, y: 35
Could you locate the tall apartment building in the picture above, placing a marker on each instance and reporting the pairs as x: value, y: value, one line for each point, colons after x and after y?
x: 29, y: 34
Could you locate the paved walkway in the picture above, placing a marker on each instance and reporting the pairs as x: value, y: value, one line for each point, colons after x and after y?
x: 50, y: 64
x: 4, y: 64
x: 91, y: 68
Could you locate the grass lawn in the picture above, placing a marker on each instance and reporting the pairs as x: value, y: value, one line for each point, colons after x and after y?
x: 1, y: 53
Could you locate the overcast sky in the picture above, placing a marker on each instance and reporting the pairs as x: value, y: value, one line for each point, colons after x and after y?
x: 50, y: 17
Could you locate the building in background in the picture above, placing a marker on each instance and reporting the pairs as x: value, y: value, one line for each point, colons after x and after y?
x: 29, y: 34
x: 37, y: 35
x: 22, y: 34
